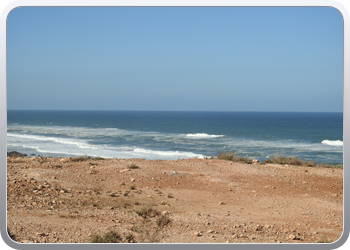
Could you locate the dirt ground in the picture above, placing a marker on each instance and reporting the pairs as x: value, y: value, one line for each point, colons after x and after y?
x: 189, y: 201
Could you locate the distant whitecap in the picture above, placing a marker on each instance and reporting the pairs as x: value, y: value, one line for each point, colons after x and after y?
x: 332, y: 143
x: 203, y: 135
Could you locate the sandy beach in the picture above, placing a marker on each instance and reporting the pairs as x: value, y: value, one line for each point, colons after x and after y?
x: 73, y: 200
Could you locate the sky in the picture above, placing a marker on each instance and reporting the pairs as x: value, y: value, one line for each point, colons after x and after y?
x: 175, y: 58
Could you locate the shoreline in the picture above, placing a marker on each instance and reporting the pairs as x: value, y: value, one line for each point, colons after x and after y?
x: 205, y: 200
x: 228, y: 155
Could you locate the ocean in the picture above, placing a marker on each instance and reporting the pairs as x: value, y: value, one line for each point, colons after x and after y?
x: 171, y: 135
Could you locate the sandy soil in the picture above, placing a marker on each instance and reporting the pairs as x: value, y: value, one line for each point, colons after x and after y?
x: 205, y: 200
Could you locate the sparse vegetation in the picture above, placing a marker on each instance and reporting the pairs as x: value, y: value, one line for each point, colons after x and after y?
x: 98, y: 158
x: 149, y: 230
x: 133, y: 166
x: 324, y: 240
x: 280, y: 159
x: 80, y: 158
x: 277, y: 159
x: 109, y: 237
x: 295, y: 161
x: 12, y: 236
x: 163, y: 220
x: 148, y: 212
x: 230, y: 156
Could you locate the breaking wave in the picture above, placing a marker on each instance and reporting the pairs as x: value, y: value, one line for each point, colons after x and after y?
x: 332, y: 143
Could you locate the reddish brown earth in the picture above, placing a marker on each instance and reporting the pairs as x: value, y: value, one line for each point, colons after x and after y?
x: 206, y: 200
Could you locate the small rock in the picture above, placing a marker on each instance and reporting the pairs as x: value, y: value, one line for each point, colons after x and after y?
x: 197, y: 234
x: 40, y: 187
x: 292, y: 237
x: 255, y: 161
x: 165, y: 212
x: 221, y: 203
x: 132, y: 179
x: 62, y: 191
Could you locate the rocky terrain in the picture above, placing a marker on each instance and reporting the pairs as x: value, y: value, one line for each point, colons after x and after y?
x: 76, y: 200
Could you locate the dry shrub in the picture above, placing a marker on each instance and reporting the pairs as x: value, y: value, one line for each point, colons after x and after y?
x: 80, y: 158
x: 230, y: 156
x: 109, y: 237
x: 163, y: 220
x: 149, y: 230
x: 133, y: 166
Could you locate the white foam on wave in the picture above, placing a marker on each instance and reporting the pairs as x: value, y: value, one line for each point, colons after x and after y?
x: 167, y: 154
x: 76, y: 142
x: 284, y: 145
x: 332, y: 143
x: 203, y: 136
x: 77, y: 147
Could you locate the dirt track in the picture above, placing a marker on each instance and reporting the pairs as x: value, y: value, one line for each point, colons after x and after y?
x: 206, y: 200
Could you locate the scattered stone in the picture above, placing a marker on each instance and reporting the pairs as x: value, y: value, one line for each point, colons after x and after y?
x: 221, y: 203
x: 165, y: 212
x: 132, y: 179
x: 292, y: 237
x: 255, y: 161
x: 197, y: 234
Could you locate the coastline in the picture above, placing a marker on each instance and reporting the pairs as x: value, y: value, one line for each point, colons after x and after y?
x: 205, y: 200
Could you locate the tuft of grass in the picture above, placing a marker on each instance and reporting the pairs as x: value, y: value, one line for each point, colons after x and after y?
x: 57, y: 166
x: 109, y: 237
x: 133, y: 166
x: 99, y: 158
x: 280, y: 159
x: 163, y: 220
x: 324, y: 240
x: 130, y: 238
x: 147, y: 212
x: 230, y: 156
x: 80, y: 158
x: 12, y: 236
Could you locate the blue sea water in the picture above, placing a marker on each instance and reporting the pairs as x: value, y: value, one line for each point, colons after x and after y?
x: 176, y: 135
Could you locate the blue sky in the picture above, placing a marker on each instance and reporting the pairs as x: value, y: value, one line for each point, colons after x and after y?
x: 177, y: 58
